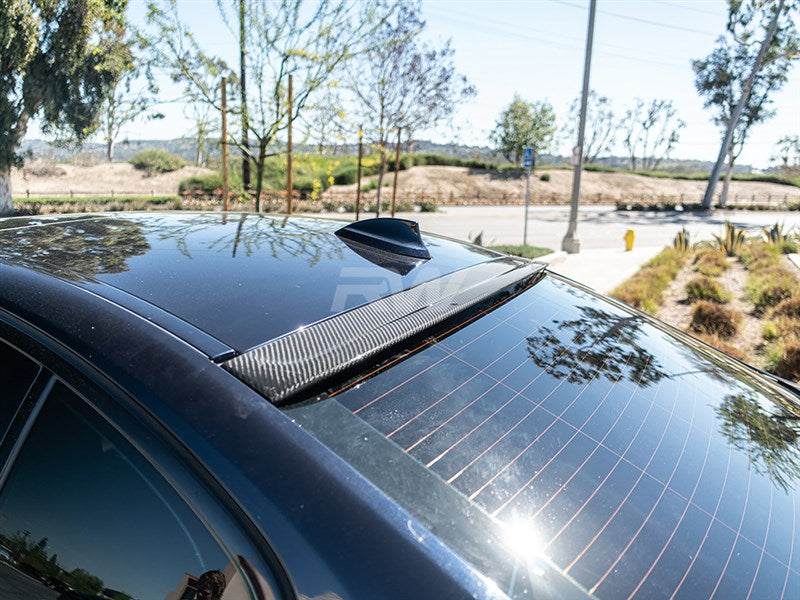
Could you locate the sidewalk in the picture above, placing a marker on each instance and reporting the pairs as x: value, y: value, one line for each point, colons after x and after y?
x: 601, y: 269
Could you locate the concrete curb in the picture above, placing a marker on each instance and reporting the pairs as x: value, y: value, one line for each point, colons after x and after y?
x: 552, y: 258
x: 794, y: 259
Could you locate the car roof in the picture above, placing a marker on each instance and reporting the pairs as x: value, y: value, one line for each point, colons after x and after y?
x: 243, y: 279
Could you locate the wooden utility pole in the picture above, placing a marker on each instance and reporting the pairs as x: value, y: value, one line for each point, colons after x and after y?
x: 358, y: 170
x: 224, y: 148
x: 396, y: 168
x: 289, y: 182
x: 243, y: 99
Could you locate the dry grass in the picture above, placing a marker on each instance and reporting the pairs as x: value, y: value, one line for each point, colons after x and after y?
x: 645, y: 289
x: 771, y: 285
x: 726, y: 347
x: 783, y: 359
x: 710, y: 262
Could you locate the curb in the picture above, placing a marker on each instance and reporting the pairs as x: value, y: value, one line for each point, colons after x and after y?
x: 793, y: 258
x: 552, y: 258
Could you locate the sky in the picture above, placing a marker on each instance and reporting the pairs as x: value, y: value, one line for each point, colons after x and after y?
x: 535, y: 48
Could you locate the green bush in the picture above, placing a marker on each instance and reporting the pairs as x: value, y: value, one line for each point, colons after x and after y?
x: 427, y: 206
x: 154, y: 160
x: 706, y: 288
x: 783, y: 359
x: 545, y: 177
x: 712, y: 319
x: 208, y: 183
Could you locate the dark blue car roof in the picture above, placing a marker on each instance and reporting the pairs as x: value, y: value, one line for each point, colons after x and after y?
x: 243, y: 279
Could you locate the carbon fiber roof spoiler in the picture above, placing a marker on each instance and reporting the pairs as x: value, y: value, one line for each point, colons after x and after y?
x: 307, y: 357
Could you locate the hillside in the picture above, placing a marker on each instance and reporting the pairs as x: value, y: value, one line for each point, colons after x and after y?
x: 458, y: 185
x: 467, y: 185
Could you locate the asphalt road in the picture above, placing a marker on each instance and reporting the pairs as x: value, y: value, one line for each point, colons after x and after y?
x: 599, y: 227
x: 16, y: 586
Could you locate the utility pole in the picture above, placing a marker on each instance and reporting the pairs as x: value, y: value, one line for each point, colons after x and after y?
x: 527, y: 161
x: 358, y: 169
x: 571, y: 243
x: 289, y: 182
x: 396, y: 168
x: 224, y: 143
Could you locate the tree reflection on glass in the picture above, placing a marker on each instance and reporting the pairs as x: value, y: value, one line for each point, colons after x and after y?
x: 597, y: 341
x: 79, y: 249
x: 770, y: 440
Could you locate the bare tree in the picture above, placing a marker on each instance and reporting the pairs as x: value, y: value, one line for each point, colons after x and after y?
x: 719, y: 77
x: 282, y: 38
x: 651, y: 132
x: 787, y: 149
x: 601, y: 126
x: 133, y: 95
x: 401, y: 81
x: 746, y: 19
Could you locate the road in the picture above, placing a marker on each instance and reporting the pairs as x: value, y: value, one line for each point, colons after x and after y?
x: 15, y: 586
x: 598, y: 226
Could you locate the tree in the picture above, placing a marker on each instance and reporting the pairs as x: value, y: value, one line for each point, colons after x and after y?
x: 401, y: 81
x: 133, y: 94
x: 651, y: 132
x: 280, y: 38
x: 58, y: 60
x: 601, y: 126
x: 719, y: 77
x: 522, y: 124
x: 746, y: 20
x: 788, y: 148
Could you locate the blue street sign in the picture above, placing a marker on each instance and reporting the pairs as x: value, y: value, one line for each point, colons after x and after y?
x: 527, y: 157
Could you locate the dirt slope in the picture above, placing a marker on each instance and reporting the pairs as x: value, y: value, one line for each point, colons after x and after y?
x: 100, y: 179
x: 463, y: 182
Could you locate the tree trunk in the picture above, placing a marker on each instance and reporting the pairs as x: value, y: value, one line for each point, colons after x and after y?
x: 243, y: 92
x: 723, y: 197
x: 262, y: 155
x: 110, y: 149
x: 381, y: 172
x: 737, y: 112
x: 6, y: 207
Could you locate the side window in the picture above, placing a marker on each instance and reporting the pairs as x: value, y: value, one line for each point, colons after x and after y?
x: 17, y: 373
x: 83, y: 515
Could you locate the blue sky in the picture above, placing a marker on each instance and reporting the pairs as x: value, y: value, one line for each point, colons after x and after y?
x: 643, y: 48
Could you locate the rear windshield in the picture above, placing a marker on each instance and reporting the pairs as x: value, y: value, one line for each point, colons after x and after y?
x: 561, y: 443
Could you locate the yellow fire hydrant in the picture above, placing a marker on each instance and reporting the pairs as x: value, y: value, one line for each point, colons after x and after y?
x: 629, y: 235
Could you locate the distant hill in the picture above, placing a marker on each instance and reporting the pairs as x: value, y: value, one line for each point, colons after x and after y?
x: 186, y: 149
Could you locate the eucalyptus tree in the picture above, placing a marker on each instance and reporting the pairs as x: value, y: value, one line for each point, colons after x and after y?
x: 719, y: 79
x: 650, y: 132
x: 58, y: 61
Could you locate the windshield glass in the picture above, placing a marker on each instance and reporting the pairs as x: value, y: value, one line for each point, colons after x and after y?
x: 562, y: 433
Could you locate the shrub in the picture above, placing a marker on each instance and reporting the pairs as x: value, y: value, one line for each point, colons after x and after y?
x: 770, y: 286
x: 545, y: 177
x: 788, y: 308
x: 706, y: 288
x: 681, y: 241
x: 427, y: 206
x: 155, y: 160
x: 784, y: 360
x: 758, y: 255
x: 710, y: 262
x: 42, y: 168
x: 712, y: 319
x: 207, y: 183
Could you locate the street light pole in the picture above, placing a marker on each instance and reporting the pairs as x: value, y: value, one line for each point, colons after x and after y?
x: 571, y: 242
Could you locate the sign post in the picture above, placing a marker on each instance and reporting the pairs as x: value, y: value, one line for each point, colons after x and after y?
x: 527, y: 162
